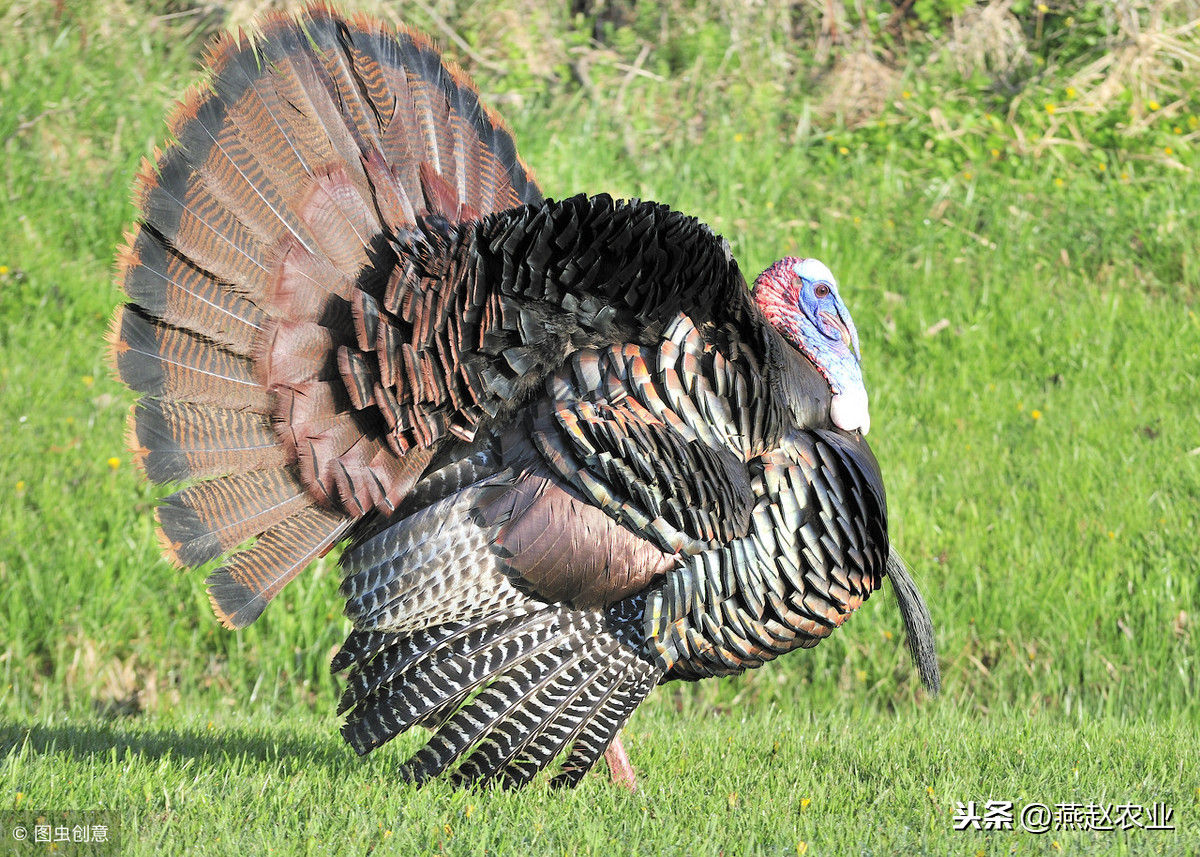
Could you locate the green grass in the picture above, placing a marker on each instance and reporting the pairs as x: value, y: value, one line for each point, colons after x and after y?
x: 1038, y: 452
x: 774, y: 781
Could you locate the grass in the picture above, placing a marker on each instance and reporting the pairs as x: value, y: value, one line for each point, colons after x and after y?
x: 1039, y: 448
x: 775, y: 781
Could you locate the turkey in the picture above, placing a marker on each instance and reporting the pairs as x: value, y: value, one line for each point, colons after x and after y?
x: 572, y: 455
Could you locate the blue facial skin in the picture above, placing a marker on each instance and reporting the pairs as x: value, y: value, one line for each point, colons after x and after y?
x: 800, y: 298
x: 823, y: 307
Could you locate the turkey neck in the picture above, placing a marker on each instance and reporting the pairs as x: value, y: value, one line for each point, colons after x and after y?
x: 801, y: 393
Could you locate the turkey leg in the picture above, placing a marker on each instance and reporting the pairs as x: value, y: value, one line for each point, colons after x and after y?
x: 619, y: 767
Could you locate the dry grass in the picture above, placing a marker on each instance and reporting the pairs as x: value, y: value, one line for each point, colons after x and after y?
x: 1147, y: 56
x: 988, y: 39
x: 858, y: 88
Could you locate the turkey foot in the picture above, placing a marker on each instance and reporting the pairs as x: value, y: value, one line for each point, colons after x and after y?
x: 619, y: 767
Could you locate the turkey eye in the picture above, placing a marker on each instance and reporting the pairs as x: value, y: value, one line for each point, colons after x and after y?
x: 821, y: 290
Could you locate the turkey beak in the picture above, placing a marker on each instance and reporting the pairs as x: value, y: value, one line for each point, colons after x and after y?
x: 843, y: 331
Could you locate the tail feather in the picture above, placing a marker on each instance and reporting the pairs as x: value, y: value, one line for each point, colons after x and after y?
x: 241, y: 591
x: 169, y: 287
x: 226, y: 163
x: 208, y: 519
x: 293, y: 170
x: 346, y: 82
x: 287, y: 140
x: 176, y: 441
x: 198, y: 225
x: 344, y: 225
x: 307, y: 102
x: 177, y: 364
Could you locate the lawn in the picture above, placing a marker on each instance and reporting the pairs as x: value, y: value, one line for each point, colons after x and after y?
x: 1032, y: 351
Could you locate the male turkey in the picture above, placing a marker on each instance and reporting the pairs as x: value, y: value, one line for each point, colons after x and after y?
x: 574, y: 456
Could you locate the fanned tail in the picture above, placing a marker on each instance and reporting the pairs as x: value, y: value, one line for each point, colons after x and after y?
x: 266, y: 234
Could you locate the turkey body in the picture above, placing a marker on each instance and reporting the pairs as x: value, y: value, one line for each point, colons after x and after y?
x: 573, y: 455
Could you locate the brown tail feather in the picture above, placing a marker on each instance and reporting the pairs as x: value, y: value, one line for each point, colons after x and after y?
x: 176, y: 441
x: 343, y: 223
x: 240, y: 591
x: 178, y: 364
x: 227, y: 166
x: 202, y: 522
x: 170, y: 288
x: 199, y: 226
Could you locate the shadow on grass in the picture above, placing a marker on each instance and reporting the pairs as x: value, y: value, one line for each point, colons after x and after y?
x: 102, y: 741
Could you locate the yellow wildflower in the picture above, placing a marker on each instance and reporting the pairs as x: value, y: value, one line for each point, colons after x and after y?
x: 3, y: 270
x: 1036, y: 414
x: 114, y: 463
x: 737, y: 138
x: 906, y: 94
x: 1059, y: 182
x: 1153, y: 105
x: 843, y: 150
x: 1102, y: 167
x: 1050, y: 108
x: 1071, y: 93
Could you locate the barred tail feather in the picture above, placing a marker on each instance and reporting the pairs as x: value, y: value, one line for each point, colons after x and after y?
x: 176, y: 441
x: 241, y: 591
